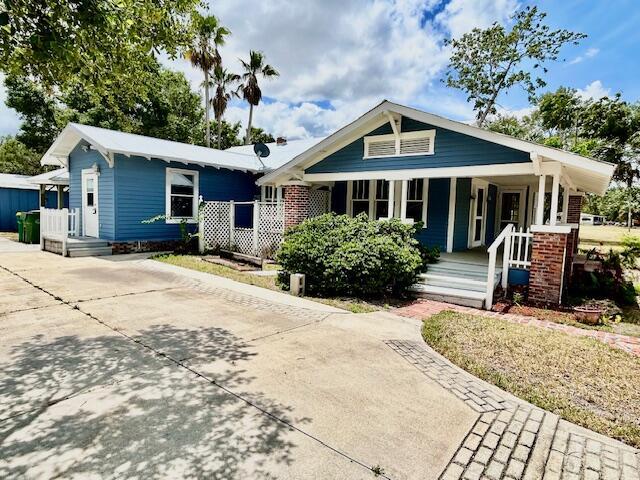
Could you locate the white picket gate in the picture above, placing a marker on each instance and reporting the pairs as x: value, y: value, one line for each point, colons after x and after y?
x: 259, y: 235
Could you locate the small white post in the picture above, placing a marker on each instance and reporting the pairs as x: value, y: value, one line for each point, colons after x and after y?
x: 201, y: 244
x: 43, y: 225
x: 256, y: 228
x: 232, y: 223
x: 488, y: 301
x: 392, y: 194
x: 542, y: 184
x: 555, y: 193
x: 506, y: 256
x: 403, y: 200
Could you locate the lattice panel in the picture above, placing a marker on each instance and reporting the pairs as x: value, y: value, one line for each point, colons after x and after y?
x: 243, y: 240
x: 318, y: 203
x: 215, y: 224
x: 271, y: 228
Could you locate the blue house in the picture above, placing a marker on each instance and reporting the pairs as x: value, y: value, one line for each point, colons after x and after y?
x: 118, y: 181
x: 477, y: 196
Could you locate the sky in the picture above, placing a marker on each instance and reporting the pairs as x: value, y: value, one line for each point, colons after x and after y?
x: 339, y: 58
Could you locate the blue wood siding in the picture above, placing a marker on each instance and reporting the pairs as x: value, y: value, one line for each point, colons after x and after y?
x: 140, y: 187
x: 461, y: 223
x: 452, y: 149
x: 435, y: 235
x: 339, y: 198
x: 492, y: 202
x: 14, y: 200
x: 80, y: 160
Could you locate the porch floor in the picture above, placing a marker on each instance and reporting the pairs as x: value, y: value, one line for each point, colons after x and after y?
x: 475, y: 256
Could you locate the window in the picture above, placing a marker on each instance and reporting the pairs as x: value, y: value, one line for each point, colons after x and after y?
x: 360, y: 197
x: 271, y: 193
x: 510, y: 211
x: 382, y: 199
x: 409, y: 143
x: 89, y: 189
x: 182, y: 195
x: 417, y: 193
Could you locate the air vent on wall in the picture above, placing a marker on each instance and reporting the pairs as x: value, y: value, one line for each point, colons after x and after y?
x: 415, y: 145
x: 382, y: 148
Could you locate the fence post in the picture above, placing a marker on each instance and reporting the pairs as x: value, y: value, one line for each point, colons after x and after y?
x: 256, y: 228
x: 43, y: 226
x: 232, y: 223
x: 201, y: 207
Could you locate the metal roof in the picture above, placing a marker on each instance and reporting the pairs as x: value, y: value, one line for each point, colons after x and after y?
x: 280, y: 154
x: 59, y: 176
x: 21, y: 182
x: 110, y: 142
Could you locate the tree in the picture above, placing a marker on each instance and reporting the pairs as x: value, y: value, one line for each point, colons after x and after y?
x: 101, y: 46
x: 485, y: 63
x: 16, y: 157
x: 204, y: 55
x: 223, y: 81
x: 258, y: 135
x: 251, y: 92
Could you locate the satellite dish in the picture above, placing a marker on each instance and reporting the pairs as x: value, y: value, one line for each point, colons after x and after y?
x: 261, y: 150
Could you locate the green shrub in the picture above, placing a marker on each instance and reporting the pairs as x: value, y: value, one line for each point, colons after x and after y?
x: 341, y: 255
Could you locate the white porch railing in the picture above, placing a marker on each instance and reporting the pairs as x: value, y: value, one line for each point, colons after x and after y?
x: 520, y: 248
x: 58, y: 224
x: 503, y: 238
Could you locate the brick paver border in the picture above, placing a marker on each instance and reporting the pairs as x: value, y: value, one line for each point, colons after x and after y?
x: 425, y: 308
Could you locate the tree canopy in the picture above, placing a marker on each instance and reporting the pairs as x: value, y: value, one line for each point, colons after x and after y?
x: 16, y: 157
x: 486, y: 62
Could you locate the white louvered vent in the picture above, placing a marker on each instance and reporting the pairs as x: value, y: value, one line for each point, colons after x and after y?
x: 382, y: 148
x: 411, y: 143
x: 415, y: 146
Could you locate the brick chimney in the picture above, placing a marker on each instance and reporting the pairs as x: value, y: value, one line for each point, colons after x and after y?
x: 281, y: 141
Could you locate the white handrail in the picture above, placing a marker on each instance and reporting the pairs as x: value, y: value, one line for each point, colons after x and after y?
x: 504, y: 237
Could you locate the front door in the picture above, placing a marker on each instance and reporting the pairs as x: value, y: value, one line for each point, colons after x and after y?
x: 90, y: 204
x: 478, y: 217
x: 511, y: 209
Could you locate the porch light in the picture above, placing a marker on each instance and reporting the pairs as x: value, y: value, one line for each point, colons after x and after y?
x: 95, y: 168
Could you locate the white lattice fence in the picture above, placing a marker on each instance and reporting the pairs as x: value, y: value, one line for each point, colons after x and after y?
x: 318, y: 203
x: 262, y: 239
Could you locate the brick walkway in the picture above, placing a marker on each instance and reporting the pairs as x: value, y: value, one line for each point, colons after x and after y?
x: 425, y: 308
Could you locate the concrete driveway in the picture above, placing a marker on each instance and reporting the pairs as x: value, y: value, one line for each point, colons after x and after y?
x: 119, y: 367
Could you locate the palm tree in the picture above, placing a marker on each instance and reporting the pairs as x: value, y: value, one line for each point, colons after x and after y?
x: 204, y: 55
x: 250, y: 88
x: 223, y: 81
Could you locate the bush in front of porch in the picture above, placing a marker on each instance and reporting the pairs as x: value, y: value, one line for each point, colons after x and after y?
x: 341, y: 255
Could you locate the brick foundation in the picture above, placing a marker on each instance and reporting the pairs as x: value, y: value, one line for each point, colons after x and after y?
x: 144, y: 246
x: 548, y: 267
x: 296, y: 204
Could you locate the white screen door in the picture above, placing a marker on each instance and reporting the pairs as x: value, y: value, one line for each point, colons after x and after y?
x: 90, y: 204
x: 479, y: 206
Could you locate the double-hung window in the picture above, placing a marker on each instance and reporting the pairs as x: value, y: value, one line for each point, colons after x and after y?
x: 417, y: 194
x: 271, y: 193
x: 359, y: 197
x: 382, y: 199
x: 182, y: 195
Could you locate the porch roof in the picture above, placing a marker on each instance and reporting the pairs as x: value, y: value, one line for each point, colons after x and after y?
x: 110, y: 142
x: 59, y: 176
x: 585, y: 174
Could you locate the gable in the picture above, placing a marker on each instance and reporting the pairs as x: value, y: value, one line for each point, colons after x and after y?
x: 451, y: 149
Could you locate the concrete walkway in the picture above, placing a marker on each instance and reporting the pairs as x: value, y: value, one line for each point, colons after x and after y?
x: 120, y: 367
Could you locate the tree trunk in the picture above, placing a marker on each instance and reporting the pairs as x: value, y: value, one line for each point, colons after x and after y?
x: 247, y: 137
x: 219, y: 120
x: 206, y: 109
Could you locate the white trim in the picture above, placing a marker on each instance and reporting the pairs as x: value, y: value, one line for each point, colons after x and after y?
x: 452, y: 213
x: 477, y: 183
x: 84, y: 173
x: 550, y: 228
x: 196, y: 194
x: 555, y: 193
x: 407, y: 174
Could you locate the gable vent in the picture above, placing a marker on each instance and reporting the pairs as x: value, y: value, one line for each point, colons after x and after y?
x: 415, y: 146
x: 381, y: 148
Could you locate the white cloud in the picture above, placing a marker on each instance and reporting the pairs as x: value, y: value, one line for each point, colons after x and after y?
x: 461, y: 16
x: 590, y: 53
x: 594, y: 91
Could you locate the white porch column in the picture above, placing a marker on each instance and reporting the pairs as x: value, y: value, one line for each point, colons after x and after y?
x: 555, y: 193
x: 565, y: 203
x: 542, y: 182
x: 392, y: 195
x: 403, y: 200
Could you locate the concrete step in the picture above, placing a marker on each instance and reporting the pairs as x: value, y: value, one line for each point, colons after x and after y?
x: 76, y: 244
x: 467, y: 298
x: 461, y: 283
x: 89, y: 251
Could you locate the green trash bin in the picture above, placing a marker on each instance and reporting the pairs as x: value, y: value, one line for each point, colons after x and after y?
x: 32, y: 227
x: 20, y: 216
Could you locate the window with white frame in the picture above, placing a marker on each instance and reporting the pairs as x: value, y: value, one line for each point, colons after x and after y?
x: 359, y: 197
x: 271, y: 193
x: 417, y: 196
x: 382, y: 200
x: 182, y: 195
x: 421, y: 142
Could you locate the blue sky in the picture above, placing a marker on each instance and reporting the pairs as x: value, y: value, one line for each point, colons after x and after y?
x: 338, y: 59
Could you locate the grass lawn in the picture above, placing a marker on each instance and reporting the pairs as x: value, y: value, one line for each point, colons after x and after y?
x: 580, y: 379
x: 194, y: 262
x: 603, y: 236
x: 13, y: 236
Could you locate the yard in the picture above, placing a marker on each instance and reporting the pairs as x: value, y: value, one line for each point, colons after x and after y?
x: 580, y: 379
x: 603, y: 236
